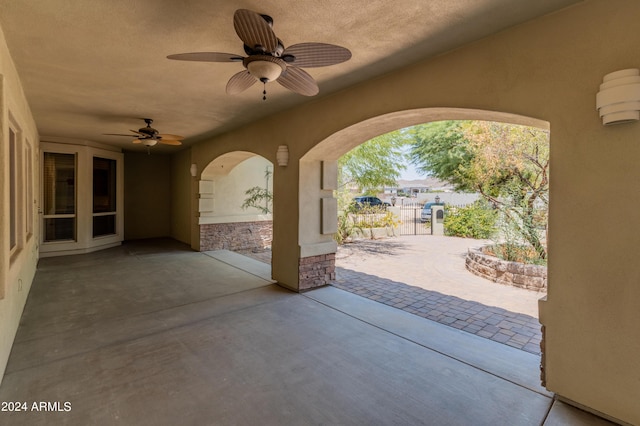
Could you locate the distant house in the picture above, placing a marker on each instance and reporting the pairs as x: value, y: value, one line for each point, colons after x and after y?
x: 419, y: 186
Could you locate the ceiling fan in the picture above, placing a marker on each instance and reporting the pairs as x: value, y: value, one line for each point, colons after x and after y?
x: 148, y: 136
x: 267, y: 59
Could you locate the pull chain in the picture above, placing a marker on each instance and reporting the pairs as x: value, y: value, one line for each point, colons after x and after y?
x: 264, y: 92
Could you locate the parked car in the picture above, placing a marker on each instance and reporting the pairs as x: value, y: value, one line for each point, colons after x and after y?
x: 369, y: 201
x: 425, y: 215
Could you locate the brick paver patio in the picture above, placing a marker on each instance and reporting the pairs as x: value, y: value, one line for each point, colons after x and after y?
x: 514, y: 329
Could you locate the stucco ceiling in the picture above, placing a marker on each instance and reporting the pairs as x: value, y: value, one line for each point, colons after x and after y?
x: 98, y: 66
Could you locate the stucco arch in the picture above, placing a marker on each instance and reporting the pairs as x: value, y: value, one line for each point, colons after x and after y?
x: 224, y: 164
x: 222, y: 220
x: 318, y: 178
x: 343, y: 141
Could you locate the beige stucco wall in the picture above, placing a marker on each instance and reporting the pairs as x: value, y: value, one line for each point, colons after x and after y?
x: 548, y: 69
x: 183, y: 201
x: 230, y: 183
x: 16, y: 273
x: 147, y: 198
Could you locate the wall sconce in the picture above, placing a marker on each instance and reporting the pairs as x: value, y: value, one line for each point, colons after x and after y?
x: 618, y: 100
x: 193, y: 170
x: 282, y: 155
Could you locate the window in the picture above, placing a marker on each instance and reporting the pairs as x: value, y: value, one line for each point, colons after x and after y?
x: 29, y: 201
x: 13, y: 190
x: 81, y: 198
x: 59, y: 202
x: 104, y: 196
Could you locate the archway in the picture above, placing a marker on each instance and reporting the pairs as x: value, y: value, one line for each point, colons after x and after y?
x: 226, y: 220
x: 318, y: 180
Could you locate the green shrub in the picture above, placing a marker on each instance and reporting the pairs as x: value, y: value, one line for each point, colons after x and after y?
x: 347, y: 227
x: 374, y: 217
x: 476, y: 220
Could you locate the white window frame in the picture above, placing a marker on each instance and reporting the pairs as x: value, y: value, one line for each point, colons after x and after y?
x: 16, y: 190
x: 85, y: 242
x: 29, y: 201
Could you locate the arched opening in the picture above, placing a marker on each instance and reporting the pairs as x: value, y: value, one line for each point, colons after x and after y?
x: 321, y: 162
x: 234, y: 204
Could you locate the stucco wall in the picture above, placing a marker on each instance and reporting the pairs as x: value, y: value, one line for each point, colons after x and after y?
x: 183, y: 201
x: 17, y: 271
x: 230, y: 189
x: 147, y: 199
x: 548, y: 69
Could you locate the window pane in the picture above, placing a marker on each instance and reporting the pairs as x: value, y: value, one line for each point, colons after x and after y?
x: 60, y: 229
x: 59, y: 183
x: 104, y: 225
x: 13, y: 177
x: 29, y: 197
x: 104, y: 185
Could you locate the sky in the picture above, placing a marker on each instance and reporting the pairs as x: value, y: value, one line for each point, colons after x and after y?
x: 410, y: 173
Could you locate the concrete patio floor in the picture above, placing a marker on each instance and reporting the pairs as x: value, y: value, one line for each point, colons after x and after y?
x: 152, y: 333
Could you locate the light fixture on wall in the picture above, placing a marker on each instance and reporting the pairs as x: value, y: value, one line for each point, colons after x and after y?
x: 193, y: 170
x: 282, y: 155
x: 618, y: 100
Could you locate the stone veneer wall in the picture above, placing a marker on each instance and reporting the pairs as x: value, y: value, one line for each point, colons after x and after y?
x: 531, y: 277
x: 236, y: 235
x: 316, y: 271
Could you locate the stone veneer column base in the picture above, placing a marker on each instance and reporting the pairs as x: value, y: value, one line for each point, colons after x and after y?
x: 316, y: 271
x: 236, y: 235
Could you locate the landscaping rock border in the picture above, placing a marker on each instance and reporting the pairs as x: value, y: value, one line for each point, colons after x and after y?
x: 530, y: 277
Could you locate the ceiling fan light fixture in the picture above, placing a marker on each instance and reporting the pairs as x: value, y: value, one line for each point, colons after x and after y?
x: 264, y: 71
x: 149, y: 142
x: 264, y: 68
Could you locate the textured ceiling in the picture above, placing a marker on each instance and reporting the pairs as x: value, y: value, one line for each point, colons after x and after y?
x: 98, y: 66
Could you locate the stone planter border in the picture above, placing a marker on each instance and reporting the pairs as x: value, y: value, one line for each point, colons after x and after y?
x: 530, y: 277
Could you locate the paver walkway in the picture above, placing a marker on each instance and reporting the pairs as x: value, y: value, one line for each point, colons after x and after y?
x: 425, y: 275
x: 514, y: 329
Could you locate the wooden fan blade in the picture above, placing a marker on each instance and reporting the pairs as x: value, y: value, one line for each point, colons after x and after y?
x: 206, y: 57
x: 309, y: 55
x: 254, y: 31
x: 171, y: 137
x: 119, y: 134
x: 299, y: 81
x: 137, y: 141
x: 240, y: 82
x: 169, y: 142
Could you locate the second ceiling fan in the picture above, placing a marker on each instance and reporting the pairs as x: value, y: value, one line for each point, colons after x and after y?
x: 148, y: 136
x: 268, y: 60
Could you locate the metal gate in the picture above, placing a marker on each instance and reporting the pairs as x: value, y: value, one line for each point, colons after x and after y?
x: 410, y: 223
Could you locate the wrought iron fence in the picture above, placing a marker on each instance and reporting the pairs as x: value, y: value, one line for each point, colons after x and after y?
x: 411, y: 222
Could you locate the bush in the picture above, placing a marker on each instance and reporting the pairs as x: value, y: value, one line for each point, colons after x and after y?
x: 476, y: 220
x: 374, y: 217
x: 347, y: 228
x: 515, y: 253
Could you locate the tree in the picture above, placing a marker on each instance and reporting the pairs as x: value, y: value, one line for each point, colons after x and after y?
x: 258, y: 197
x: 440, y: 150
x: 510, y: 168
x: 375, y: 163
x: 508, y: 164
